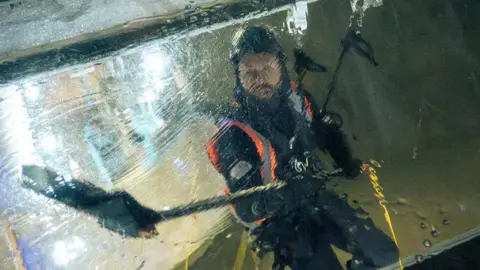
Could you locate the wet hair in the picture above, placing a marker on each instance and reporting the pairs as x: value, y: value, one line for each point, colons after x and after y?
x: 256, y: 39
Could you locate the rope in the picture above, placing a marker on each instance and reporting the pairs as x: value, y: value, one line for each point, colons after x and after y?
x: 378, y: 191
x: 214, y: 202
x: 333, y: 83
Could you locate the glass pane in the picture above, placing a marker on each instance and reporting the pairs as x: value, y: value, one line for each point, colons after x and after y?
x: 94, y: 144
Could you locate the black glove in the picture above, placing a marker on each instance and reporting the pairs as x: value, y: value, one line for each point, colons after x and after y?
x: 300, y: 189
x: 338, y: 147
x: 118, y: 212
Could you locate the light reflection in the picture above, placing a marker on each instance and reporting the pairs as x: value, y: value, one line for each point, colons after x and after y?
x: 16, y: 124
x: 148, y: 96
x: 31, y: 92
x: 9, y: 89
x: 75, y: 170
x: 160, y: 122
x: 64, y: 252
x: 49, y: 143
x: 155, y: 64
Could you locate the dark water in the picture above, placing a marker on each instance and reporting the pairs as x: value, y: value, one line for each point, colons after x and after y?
x: 417, y: 112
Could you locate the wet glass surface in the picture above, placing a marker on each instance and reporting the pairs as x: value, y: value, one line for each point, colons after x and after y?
x: 137, y: 122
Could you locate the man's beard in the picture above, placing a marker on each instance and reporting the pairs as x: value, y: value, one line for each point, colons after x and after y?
x: 263, y: 109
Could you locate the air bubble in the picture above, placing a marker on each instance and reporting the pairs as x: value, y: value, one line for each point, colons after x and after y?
x: 427, y: 243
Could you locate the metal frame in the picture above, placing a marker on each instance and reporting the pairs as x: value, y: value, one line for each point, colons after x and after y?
x: 437, y: 249
x: 156, y: 28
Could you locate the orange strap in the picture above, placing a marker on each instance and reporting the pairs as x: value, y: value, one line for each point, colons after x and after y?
x: 308, y: 106
x: 213, y: 155
x: 259, y: 144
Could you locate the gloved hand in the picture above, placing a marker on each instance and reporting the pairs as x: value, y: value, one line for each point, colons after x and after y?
x: 338, y: 147
x: 274, y: 236
x: 300, y: 189
x: 332, y: 120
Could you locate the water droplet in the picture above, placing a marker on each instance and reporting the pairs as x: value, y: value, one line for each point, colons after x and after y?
x: 402, y: 201
x: 228, y: 235
x: 427, y: 243
x: 442, y: 210
x: 423, y: 225
x: 446, y: 221
x: 435, y: 233
x: 462, y: 207
x: 419, y: 258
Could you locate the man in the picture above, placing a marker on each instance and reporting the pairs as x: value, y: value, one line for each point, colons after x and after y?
x: 269, y: 135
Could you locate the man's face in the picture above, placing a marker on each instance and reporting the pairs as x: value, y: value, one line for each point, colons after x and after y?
x: 260, y: 75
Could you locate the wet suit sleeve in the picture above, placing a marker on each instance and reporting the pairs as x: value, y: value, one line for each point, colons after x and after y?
x: 332, y: 138
x: 235, y: 156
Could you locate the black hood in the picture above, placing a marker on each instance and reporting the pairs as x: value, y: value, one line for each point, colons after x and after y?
x: 258, y: 39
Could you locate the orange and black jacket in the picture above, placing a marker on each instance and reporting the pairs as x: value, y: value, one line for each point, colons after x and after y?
x: 248, y: 156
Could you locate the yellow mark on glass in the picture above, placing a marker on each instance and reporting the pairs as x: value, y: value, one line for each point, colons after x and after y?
x: 372, y: 174
x: 375, y: 163
x: 241, y: 252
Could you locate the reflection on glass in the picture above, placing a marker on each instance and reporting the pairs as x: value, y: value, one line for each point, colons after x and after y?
x: 130, y: 122
x: 49, y: 143
x: 31, y: 92
x: 66, y: 251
